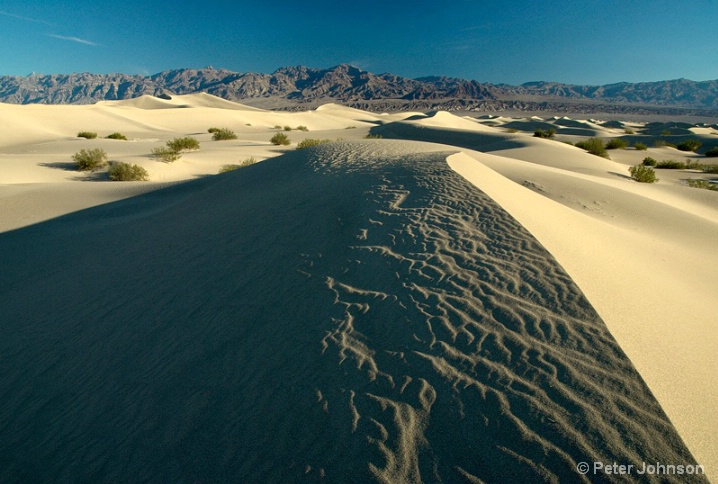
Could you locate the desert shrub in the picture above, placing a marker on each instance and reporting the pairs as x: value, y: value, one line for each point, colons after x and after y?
x: 665, y: 132
x: 280, y: 139
x: 616, y: 144
x: 712, y: 153
x: 167, y: 155
x: 287, y: 128
x: 224, y: 134
x: 671, y: 165
x: 659, y: 143
x: 249, y: 161
x: 312, y: 142
x: 276, y: 126
x: 643, y: 174
x: 127, y: 172
x: 705, y: 168
x: 512, y: 130
x: 90, y: 160
x: 540, y: 133
x: 302, y: 128
x: 593, y: 146
x: 373, y: 136
x: 175, y: 147
x: 689, y: 145
x: 351, y: 127
x: 640, y: 146
x: 116, y: 135
x: 702, y: 184
x: 212, y: 130
x: 629, y: 131
x: 228, y: 168
x: 648, y: 161
x: 569, y: 143
x: 183, y: 144
x: 87, y: 135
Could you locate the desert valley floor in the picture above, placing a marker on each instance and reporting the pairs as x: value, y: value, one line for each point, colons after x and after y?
x: 458, y: 301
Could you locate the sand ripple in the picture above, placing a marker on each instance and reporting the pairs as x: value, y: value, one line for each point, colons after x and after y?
x: 350, y: 313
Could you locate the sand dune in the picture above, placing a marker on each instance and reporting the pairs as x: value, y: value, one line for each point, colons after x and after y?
x: 488, y: 139
x: 575, y: 123
x: 562, y: 125
x: 656, y: 245
x: 198, y: 100
x: 142, y: 102
x: 41, y: 152
x: 442, y: 119
x: 147, y: 115
x: 400, y: 326
x: 474, y: 306
x: 661, y: 303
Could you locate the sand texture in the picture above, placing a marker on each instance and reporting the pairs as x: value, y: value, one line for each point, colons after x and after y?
x: 644, y: 255
x: 355, y: 312
x: 457, y: 302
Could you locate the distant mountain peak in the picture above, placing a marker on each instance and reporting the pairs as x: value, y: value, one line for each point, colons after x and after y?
x: 346, y: 83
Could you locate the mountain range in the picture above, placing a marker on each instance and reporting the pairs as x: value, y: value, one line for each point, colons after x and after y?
x: 293, y: 88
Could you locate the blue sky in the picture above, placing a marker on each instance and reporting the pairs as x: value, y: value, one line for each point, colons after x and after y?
x: 499, y: 41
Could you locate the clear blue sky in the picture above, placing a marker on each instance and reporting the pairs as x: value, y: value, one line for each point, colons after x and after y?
x: 510, y: 41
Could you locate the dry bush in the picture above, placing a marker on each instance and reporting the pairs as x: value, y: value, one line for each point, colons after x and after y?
x: 166, y: 155
x: 594, y: 146
x: 643, y: 174
x: 90, y: 160
x: 280, y: 139
x: 312, y: 142
x: 116, y: 135
x: 223, y: 134
x: 127, y: 172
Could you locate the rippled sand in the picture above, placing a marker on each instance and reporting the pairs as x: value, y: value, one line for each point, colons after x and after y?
x: 354, y: 312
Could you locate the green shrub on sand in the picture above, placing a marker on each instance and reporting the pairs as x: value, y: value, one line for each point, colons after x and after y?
x: 90, y: 160
x: 127, y: 172
x: 280, y: 139
x: 643, y: 174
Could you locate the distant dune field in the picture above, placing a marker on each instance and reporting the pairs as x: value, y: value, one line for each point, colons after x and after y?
x: 461, y: 303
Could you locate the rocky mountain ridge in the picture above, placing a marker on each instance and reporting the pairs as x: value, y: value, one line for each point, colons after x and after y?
x: 302, y: 87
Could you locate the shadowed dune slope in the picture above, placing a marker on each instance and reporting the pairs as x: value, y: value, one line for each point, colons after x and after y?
x: 353, y: 312
x: 490, y: 140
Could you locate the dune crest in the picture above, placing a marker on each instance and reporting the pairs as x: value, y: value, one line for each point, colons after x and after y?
x: 357, y: 311
x: 663, y: 320
x: 198, y: 100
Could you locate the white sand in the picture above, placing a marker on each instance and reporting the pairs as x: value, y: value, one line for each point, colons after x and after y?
x: 653, y: 285
x: 644, y: 256
x: 36, y: 154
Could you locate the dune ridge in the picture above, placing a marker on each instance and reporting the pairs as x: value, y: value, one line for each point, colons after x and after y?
x: 643, y: 255
x: 352, y: 312
x: 201, y: 99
